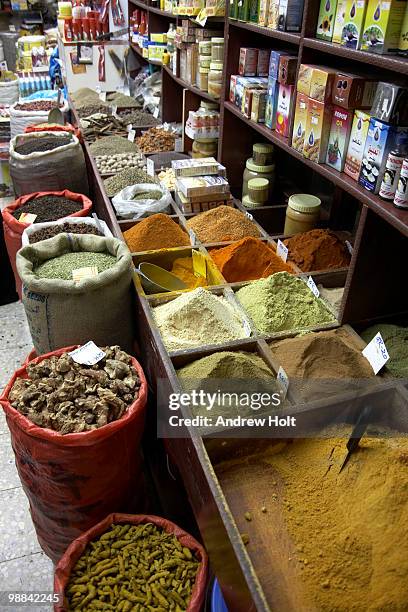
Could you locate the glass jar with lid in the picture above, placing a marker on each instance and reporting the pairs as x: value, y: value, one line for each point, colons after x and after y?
x: 302, y: 213
x: 202, y: 80
x: 204, y: 47
x: 258, y: 190
x: 217, y: 49
x: 253, y: 170
x: 215, y: 79
x: 204, y: 147
x: 263, y: 153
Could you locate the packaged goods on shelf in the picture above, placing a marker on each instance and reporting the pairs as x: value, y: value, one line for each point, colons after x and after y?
x: 287, y: 69
x: 355, y: 151
x: 403, y: 40
x: 283, y: 108
x: 353, y: 26
x: 202, y: 185
x: 156, y: 52
x: 317, y: 132
x: 274, y: 60
x: 351, y: 91
x: 392, y: 174
x: 339, y: 138
x: 290, y: 15
x: 196, y: 167
x: 339, y: 21
x: 202, y: 124
x: 248, y: 60
x: 401, y: 194
x: 202, y: 203
x: 326, y: 19
x: 322, y: 83
x: 258, y: 108
x: 215, y: 76
x: 263, y: 13
x: 390, y: 104
x: 271, y: 103
x: 382, y: 26
x: 299, y: 123
x: 302, y: 213
x: 304, y: 79
x: 239, y: 84
x: 273, y: 15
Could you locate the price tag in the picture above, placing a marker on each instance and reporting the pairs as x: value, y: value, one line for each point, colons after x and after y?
x: 87, y: 354
x: 27, y: 218
x: 86, y: 272
x: 349, y: 246
x: 283, y: 381
x: 376, y: 353
x: 114, y: 111
x: 193, y: 237
x: 98, y: 89
x: 249, y: 216
x: 282, y: 251
x: 313, y: 287
x: 129, y: 127
x: 12, y: 28
x: 132, y: 135
x: 199, y: 264
x: 202, y: 17
x: 247, y: 328
x: 102, y: 96
x: 150, y: 166
x: 3, y: 65
x: 156, y: 112
x: 178, y: 145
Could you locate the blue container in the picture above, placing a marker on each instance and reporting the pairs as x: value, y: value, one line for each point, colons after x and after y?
x: 217, y: 600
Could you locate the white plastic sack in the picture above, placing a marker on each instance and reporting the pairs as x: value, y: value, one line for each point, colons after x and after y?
x: 9, y: 92
x: 127, y: 208
x: 20, y: 119
x: 31, y: 229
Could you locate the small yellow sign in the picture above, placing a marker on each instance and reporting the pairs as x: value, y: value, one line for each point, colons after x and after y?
x: 86, y: 272
x: 27, y: 218
x: 199, y: 264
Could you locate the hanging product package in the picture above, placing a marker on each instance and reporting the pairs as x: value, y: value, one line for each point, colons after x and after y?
x: 63, y: 312
x: 127, y: 207
x: 77, y: 548
x: 9, y: 87
x: 20, y: 118
x: 13, y: 228
x: 72, y: 481
x: 55, y: 169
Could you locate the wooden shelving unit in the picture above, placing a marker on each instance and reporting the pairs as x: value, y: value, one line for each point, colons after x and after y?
x: 277, y: 34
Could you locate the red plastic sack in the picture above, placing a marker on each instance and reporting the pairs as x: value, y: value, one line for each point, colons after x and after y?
x: 75, y: 550
x: 13, y: 229
x: 72, y: 481
x: 53, y: 127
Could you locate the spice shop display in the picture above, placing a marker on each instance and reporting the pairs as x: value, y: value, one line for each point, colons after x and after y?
x: 125, y: 178
x: 355, y: 150
x: 155, y: 232
x: 110, y: 164
x: 317, y: 249
x: 23, y: 114
x: 396, y: 340
x: 48, y: 207
x: 155, y: 140
x: 222, y: 224
x: 340, y: 131
x: 283, y: 302
x: 72, y: 225
x: 112, y: 145
x: 248, y: 259
x: 142, y: 200
x: 198, y: 318
x: 382, y: 26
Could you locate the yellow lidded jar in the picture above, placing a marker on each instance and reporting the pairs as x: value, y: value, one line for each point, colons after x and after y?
x: 302, y: 213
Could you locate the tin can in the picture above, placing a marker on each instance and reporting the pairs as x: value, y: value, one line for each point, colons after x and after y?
x: 401, y: 195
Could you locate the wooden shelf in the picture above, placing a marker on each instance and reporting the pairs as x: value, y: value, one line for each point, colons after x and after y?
x: 386, y: 62
x: 153, y: 9
x: 395, y: 217
x: 294, y: 39
x: 196, y: 90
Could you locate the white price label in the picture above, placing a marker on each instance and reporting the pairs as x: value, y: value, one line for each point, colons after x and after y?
x: 102, y: 96
x: 86, y: 272
x: 87, y: 354
x: 349, y: 246
x: 178, y: 145
x: 376, y: 353
x: 283, y: 381
x: 282, y: 251
x: 150, y: 166
x: 313, y: 287
x: 132, y: 135
x: 129, y: 127
x: 115, y: 111
x: 249, y: 216
x: 98, y: 89
x: 12, y: 28
x: 156, y: 112
x: 193, y: 237
x: 247, y: 328
x: 27, y: 218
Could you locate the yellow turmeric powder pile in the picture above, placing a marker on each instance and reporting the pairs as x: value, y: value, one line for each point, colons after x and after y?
x: 248, y: 259
x: 183, y: 268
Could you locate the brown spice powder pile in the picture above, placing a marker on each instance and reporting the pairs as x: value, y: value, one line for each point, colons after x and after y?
x: 155, y: 232
x: 222, y: 224
x: 322, y: 363
x: 349, y: 528
x: 317, y: 250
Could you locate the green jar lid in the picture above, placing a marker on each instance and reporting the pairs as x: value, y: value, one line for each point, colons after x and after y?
x: 248, y: 203
x: 263, y: 147
x: 304, y: 202
x: 206, y: 140
x: 217, y: 41
x: 258, y: 184
x: 255, y: 168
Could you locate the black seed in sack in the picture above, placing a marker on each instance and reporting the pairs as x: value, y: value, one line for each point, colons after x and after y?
x: 73, y: 228
x: 48, y: 208
x: 46, y: 143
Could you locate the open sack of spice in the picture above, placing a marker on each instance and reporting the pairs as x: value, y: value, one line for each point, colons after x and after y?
x: 67, y: 225
x: 142, y: 200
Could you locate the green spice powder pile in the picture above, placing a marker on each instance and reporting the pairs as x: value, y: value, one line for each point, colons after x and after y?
x: 282, y: 302
x: 396, y: 341
x: 62, y: 266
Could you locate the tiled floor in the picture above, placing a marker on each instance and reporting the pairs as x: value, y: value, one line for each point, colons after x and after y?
x: 23, y: 566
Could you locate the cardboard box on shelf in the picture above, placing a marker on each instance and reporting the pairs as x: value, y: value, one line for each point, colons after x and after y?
x: 391, y: 104
x: 326, y: 19
x: 352, y: 91
x: 248, y: 100
x: 322, y: 83
x: 259, y: 106
x: 273, y: 15
x: 352, y: 33
x: 304, y: 78
x: 233, y: 85
x: 382, y: 25
x: 339, y: 21
x: 290, y: 15
x: 274, y: 60
x: 355, y: 151
x: 271, y: 103
x: 317, y: 130
x: 262, y: 68
x: 192, y: 62
x: 287, y: 69
x: 339, y: 137
x: 248, y: 61
x: 250, y: 83
x: 299, y: 122
x: 202, y: 185
x: 283, y: 108
x: 263, y: 12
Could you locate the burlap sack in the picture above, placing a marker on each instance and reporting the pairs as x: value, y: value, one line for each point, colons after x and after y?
x: 65, y: 312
